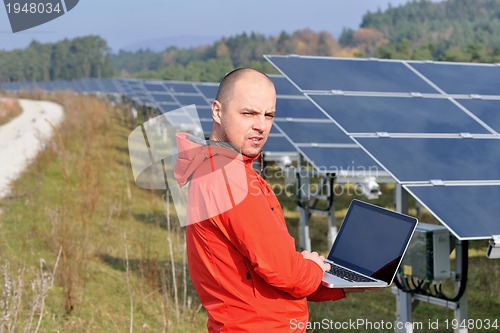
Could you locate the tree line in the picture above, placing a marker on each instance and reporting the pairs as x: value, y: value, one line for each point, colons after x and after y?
x: 81, y: 57
x: 211, y: 62
x: 453, y: 30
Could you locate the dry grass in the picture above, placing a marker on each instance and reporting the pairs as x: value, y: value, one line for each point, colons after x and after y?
x: 120, y: 265
x: 20, y: 306
x: 9, y: 109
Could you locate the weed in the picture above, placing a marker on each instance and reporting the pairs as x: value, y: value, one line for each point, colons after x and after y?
x: 9, y: 109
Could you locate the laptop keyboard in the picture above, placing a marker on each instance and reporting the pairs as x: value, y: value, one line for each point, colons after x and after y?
x: 348, y: 275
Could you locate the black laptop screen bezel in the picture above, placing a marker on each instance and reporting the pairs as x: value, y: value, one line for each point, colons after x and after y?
x: 389, y: 271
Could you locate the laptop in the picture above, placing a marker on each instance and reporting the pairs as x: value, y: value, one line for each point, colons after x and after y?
x: 369, y: 247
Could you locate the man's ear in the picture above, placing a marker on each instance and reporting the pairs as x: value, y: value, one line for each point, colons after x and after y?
x: 216, y: 111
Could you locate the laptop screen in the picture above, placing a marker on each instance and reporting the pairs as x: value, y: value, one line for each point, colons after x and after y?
x: 372, y: 240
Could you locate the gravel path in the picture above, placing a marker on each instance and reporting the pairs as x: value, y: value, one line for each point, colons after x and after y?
x: 23, y: 137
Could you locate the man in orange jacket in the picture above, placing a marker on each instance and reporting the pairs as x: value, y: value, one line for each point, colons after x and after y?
x: 242, y: 260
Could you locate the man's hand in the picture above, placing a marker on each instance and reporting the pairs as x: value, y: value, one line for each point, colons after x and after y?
x: 320, y: 260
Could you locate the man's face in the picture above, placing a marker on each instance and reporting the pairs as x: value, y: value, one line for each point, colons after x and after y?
x: 247, y: 116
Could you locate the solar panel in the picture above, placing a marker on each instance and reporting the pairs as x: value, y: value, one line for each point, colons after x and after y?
x: 91, y: 85
x: 206, y: 125
x: 108, y: 86
x: 155, y: 86
x: 191, y: 99
x: 68, y: 85
x: 121, y: 85
x: 166, y: 107
x: 78, y: 86
x: 178, y: 119
x: 343, y: 161
x: 48, y: 87
x: 371, y: 114
x: 278, y: 144
x: 8, y: 86
x: 162, y: 98
x: 274, y: 130
x: 486, y: 110
x: 178, y: 87
x: 426, y: 159
x: 284, y: 87
x: 470, y: 212
x: 143, y: 99
x: 310, y: 73
x: 208, y: 90
x: 134, y: 89
x: 204, y: 111
x: 297, y: 108
x: 307, y: 129
x: 481, y: 79
x: 313, y: 132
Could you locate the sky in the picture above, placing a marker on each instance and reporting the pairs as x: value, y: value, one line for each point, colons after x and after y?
x: 127, y: 24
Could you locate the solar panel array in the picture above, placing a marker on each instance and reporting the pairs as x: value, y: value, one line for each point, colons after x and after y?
x: 326, y: 148
x: 288, y: 137
x: 165, y: 96
x: 433, y: 126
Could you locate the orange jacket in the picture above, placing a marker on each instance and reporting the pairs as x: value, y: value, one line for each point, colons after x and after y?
x: 242, y: 260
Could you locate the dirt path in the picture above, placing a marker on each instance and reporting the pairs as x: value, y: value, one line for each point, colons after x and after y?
x: 23, y: 137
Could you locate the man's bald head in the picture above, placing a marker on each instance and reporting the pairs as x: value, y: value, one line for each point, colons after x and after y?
x: 229, y: 81
x: 243, y: 110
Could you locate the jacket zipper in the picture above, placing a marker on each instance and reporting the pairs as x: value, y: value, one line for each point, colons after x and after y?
x: 248, y: 276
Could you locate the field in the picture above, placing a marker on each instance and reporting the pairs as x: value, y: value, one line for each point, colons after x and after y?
x: 83, y: 249
x: 9, y: 109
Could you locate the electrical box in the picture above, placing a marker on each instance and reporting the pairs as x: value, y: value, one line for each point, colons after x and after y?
x: 428, y: 254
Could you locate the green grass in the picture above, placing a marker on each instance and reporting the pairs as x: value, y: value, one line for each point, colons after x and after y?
x: 79, y: 195
x: 483, y: 287
x: 380, y: 305
x: 115, y: 272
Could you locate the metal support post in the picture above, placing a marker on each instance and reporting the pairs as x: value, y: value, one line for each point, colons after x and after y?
x: 303, y: 194
x: 401, y: 198
x: 332, y: 223
x: 460, y: 311
x: 403, y: 299
x: 304, y: 237
x: 332, y: 227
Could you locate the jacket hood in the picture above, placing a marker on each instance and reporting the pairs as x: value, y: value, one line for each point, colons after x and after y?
x: 193, y: 151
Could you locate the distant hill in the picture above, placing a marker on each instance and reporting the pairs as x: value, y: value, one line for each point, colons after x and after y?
x: 454, y: 30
